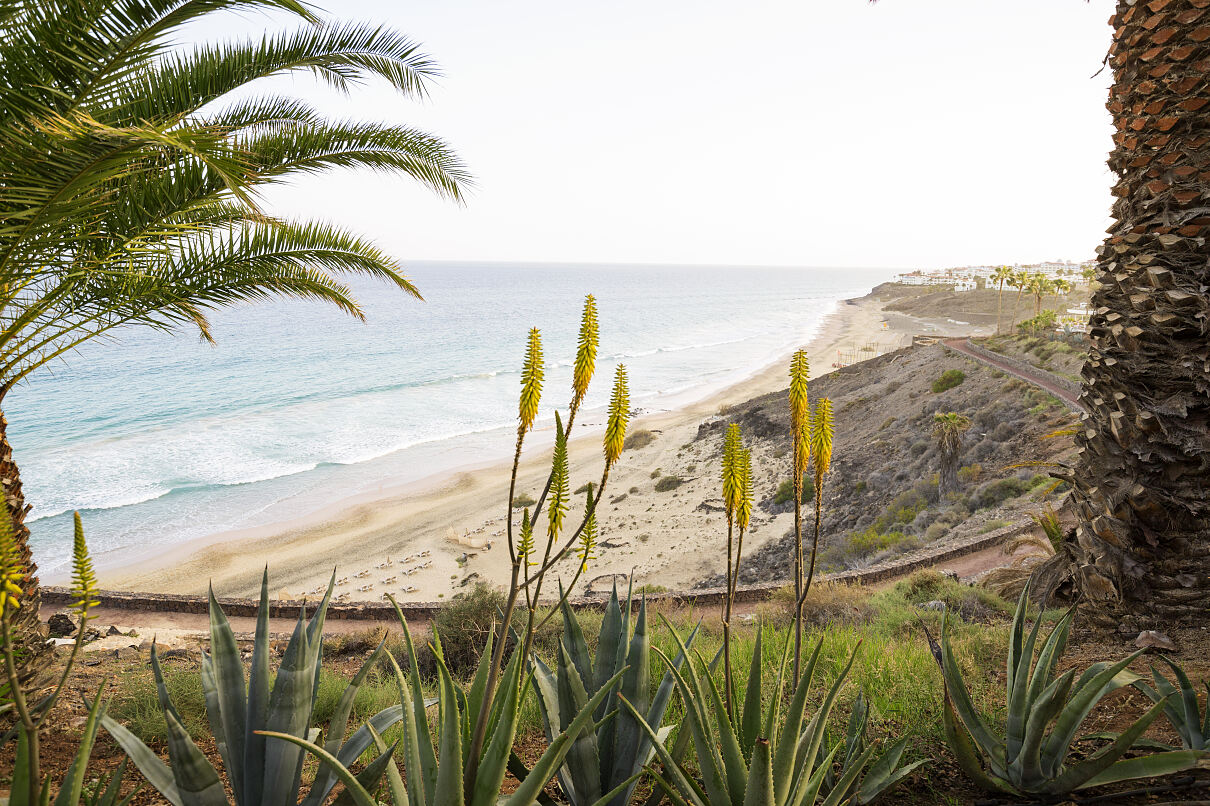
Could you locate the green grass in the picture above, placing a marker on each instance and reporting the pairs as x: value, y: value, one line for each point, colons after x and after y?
x: 948, y: 380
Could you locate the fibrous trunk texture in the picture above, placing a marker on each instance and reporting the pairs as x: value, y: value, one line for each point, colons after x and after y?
x: 1143, y: 544
x: 30, y: 637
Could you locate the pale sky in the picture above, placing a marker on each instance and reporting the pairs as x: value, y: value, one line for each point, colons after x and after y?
x: 910, y: 133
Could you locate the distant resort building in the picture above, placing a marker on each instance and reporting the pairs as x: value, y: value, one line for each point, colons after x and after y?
x: 1075, y: 320
x: 967, y: 278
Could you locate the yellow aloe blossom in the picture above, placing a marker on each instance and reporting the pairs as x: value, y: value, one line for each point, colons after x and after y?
x: 619, y: 417
x: 531, y: 382
x: 588, y: 536
x: 743, y: 504
x: 800, y: 412
x: 83, y: 577
x: 560, y: 485
x: 821, y: 438
x: 525, y: 549
x: 586, y: 353
x: 732, y: 447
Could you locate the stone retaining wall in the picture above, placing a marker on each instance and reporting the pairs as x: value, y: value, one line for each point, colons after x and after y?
x: 57, y: 597
x: 1027, y: 369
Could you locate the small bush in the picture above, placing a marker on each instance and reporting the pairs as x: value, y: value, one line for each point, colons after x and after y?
x: 638, y: 439
x: 936, y: 531
x: 633, y: 490
x: 996, y: 492
x: 523, y: 500
x: 1004, y: 432
x: 354, y: 643
x: 970, y: 474
x: 463, y: 626
x: 785, y: 493
x: 666, y: 483
x: 828, y: 603
x: 948, y: 380
x: 586, y: 487
x: 655, y: 474
x: 649, y: 589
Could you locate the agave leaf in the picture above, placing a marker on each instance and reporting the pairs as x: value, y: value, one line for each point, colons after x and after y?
x: 759, y: 791
x: 290, y: 705
x: 609, y: 644
x: 738, y: 774
x: 1187, y: 721
x: 886, y: 772
x: 337, y: 725
x: 257, y: 717
x: 618, y: 790
x: 545, y: 683
x: 664, y: 788
x: 955, y: 687
x: 806, y: 791
x: 849, y: 778
x: 495, y: 758
x: 424, y: 744
x: 1019, y: 705
x: 369, y: 778
x: 449, y: 772
x: 708, y: 758
x: 411, y: 739
x: 19, y: 786
x: 356, y: 791
x: 672, y: 768
x: 577, y: 647
x: 749, y: 723
x: 112, y: 794
x: 786, y: 761
x: 226, y: 674
x: 1051, y: 651
x: 543, y: 770
x: 73, y: 784
x: 197, y: 781
x: 809, y: 749
x: 1148, y: 766
x: 157, y: 773
x: 1081, y: 774
x: 580, y: 773
x: 967, y: 756
x: 636, y: 685
x: 1016, y: 640
x: 774, y: 709
x: 1099, y: 680
x: 1029, y: 769
x: 474, y: 698
x: 399, y: 793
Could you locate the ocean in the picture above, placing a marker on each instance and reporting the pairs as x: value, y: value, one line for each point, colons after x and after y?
x: 158, y: 438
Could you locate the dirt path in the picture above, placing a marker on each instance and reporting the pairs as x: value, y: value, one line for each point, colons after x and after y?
x: 1039, y: 378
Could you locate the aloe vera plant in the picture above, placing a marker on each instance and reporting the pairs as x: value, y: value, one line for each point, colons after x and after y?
x: 1181, y: 706
x: 884, y: 772
x: 764, y: 757
x: 259, y: 772
x: 436, y: 776
x: 1044, y: 715
x: 605, y: 764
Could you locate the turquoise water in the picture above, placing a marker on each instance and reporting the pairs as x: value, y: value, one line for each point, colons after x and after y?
x: 158, y: 439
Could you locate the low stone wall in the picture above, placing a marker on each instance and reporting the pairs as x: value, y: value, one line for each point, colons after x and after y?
x: 56, y: 597
x: 1027, y: 369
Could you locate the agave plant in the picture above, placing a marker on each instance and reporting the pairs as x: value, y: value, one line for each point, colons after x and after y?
x: 783, y: 765
x: 258, y: 771
x: 437, y: 777
x: 1182, y: 711
x: 884, y: 773
x: 1044, y: 715
x: 606, y: 763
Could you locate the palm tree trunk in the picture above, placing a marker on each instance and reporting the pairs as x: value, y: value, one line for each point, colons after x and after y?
x: 1142, y: 481
x: 29, y: 635
x: 1016, y: 309
x: 1000, y: 308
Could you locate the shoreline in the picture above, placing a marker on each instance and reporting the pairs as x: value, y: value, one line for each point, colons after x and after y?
x: 450, y: 514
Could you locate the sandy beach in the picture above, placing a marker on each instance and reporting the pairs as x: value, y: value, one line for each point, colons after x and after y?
x: 429, y: 540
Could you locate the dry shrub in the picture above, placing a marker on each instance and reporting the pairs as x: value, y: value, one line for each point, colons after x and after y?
x: 827, y: 603
x: 638, y: 439
x: 360, y: 642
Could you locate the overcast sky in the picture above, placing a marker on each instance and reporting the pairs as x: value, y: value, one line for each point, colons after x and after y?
x: 821, y: 132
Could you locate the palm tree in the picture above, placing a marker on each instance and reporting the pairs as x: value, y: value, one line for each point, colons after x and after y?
x: 129, y: 174
x: 948, y: 429
x: 1142, y: 554
x: 1039, y: 285
x: 1000, y: 276
x: 1019, y: 281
